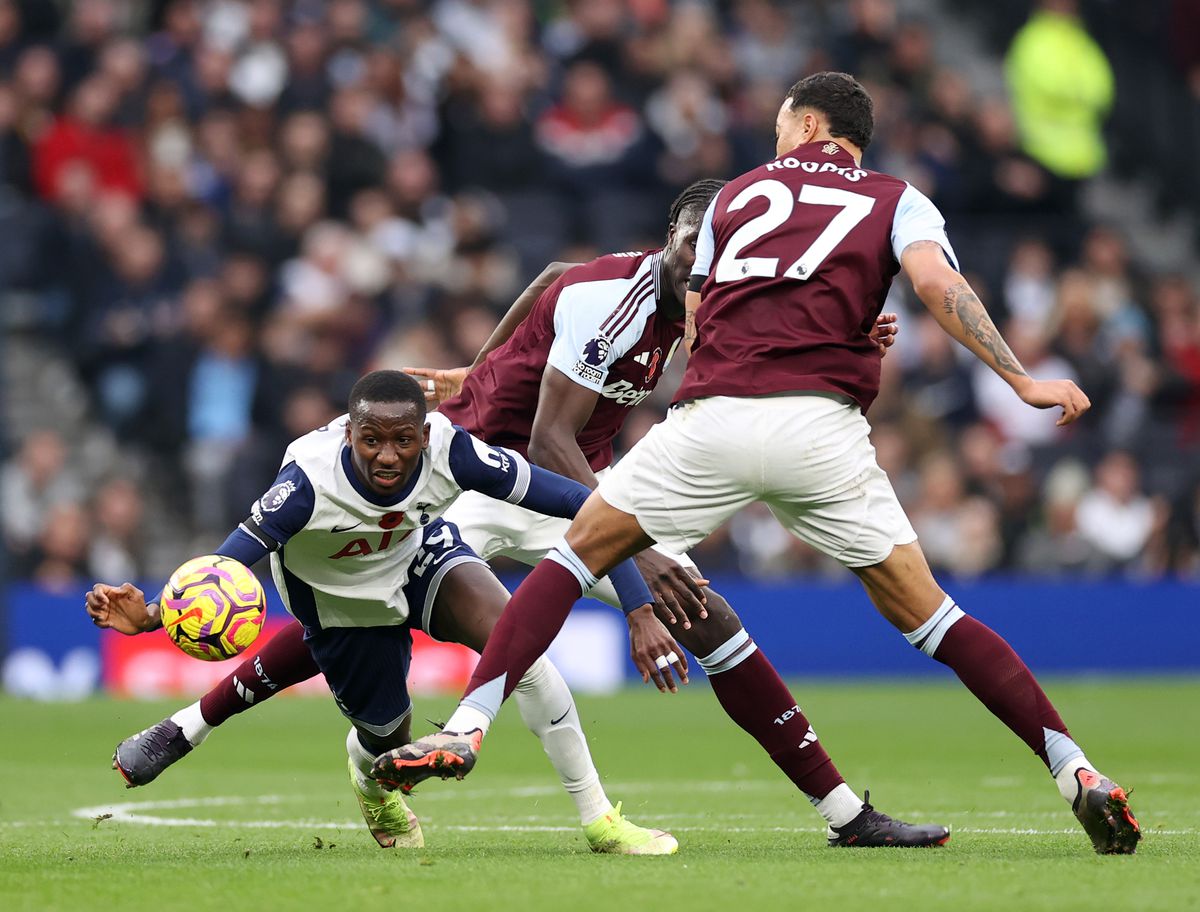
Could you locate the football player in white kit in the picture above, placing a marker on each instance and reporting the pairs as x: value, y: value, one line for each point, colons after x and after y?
x: 361, y: 556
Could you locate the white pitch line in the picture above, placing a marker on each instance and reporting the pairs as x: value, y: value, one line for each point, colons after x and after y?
x: 131, y: 812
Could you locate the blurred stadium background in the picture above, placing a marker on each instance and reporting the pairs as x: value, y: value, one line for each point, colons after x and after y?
x: 217, y: 213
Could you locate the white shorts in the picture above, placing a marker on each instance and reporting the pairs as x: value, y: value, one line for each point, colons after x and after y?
x: 495, y: 528
x: 808, y: 457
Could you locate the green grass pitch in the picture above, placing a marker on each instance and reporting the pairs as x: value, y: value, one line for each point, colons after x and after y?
x: 261, y: 816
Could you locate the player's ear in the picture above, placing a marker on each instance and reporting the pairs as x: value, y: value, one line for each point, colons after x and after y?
x: 349, y: 425
x: 810, y: 126
x: 425, y: 437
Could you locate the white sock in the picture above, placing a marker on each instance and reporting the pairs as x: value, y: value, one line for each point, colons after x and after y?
x: 468, y: 718
x: 191, y: 720
x: 549, y: 711
x: 1065, y: 778
x: 363, y: 760
x: 840, y: 806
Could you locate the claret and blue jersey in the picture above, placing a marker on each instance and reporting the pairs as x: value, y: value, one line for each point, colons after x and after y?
x: 343, y: 556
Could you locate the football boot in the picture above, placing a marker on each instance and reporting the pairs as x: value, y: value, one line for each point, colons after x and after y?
x: 141, y: 758
x: 873, y: 829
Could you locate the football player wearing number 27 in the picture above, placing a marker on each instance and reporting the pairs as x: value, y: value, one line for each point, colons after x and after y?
x: 793, y: 262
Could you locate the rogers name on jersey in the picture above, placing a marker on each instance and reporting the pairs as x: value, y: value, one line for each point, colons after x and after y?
x: 851, y: 174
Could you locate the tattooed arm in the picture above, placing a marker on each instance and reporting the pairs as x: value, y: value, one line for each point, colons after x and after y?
x: 958, y: 310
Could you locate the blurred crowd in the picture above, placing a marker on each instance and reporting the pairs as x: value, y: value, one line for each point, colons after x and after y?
x: 223, y: 211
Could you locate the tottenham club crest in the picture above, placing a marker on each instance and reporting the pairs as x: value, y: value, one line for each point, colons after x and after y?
x: 830, y: 148
x: 596, y: 351
x: 274, y: 498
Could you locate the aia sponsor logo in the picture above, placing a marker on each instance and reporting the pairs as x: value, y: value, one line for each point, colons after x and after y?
x: 361, y: 547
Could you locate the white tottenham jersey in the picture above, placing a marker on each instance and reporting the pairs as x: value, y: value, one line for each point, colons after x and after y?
x: 341, y: 553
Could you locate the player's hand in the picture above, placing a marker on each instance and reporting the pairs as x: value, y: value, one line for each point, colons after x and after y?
x: 648, y: 643
x: 887, y: 326
x: 1046, y: 394
x: 121, y: 608
x: 678, y: 594
x: 439, y: 385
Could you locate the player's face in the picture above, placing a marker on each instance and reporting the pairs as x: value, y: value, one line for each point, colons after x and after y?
x: 386, y: 441
x: 678, y: 257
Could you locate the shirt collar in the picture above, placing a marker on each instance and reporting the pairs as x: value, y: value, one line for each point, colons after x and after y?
x: 823, y: 150
x: 370, y: 496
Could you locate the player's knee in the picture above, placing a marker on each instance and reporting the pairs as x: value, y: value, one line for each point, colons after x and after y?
x: 708, y: 634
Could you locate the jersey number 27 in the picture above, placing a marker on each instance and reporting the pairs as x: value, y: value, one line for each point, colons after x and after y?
x: 852, y: 209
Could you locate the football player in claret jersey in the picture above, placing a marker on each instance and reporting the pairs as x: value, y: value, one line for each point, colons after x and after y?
x: 792, y: 265
x: 361, y: 555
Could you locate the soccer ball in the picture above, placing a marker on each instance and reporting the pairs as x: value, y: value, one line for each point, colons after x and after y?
x: 212, y: 607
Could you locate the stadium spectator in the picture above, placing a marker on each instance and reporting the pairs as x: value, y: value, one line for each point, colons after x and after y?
x: 219, y: 391
x: 59, y: 559
x: 1062, y: 88
x: 1115, y: 517
x: 1177, y: 314
x: 86, y: 136
x: 114, y: 550
x: 959, y: 534
x: 590, y: 140
x: 33, y: 483
x: 1055, y: 546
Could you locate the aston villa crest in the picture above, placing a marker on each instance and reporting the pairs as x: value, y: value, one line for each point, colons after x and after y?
x: 830, y: 148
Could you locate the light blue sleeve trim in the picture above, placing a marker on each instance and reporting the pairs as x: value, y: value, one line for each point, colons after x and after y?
x: 918, y: 219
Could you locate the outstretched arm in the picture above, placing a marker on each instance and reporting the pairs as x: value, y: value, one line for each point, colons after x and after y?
x: 447, y: 383
x: 281, y: 512
x: 958, y: 310
x: 125, y: 609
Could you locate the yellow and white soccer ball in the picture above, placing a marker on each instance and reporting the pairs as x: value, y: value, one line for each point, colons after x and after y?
x: 213, y: 607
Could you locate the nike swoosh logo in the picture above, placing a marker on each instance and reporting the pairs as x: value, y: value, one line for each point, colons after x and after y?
x: 560, y: 718
x: 191, y: 613
x: 348, y: 528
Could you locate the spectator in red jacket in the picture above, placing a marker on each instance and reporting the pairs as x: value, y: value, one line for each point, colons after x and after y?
x: 86, y: 135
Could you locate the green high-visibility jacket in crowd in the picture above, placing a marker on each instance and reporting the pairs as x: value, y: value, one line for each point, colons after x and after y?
x: 1062, y: 86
